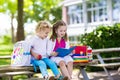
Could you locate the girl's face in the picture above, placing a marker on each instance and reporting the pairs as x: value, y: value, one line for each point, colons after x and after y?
x: 61, y: 31
x: 43, y: 33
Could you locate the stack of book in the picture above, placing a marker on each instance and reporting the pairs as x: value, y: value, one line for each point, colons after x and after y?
x: 83, y: 59
x: 80, y: 54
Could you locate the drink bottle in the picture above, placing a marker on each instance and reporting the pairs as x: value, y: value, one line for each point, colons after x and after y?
x: 89, y: 53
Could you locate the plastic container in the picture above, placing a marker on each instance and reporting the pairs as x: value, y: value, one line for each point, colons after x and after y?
x: 89, y: 53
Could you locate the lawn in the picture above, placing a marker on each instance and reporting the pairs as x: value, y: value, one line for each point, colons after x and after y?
x: 5, y: 50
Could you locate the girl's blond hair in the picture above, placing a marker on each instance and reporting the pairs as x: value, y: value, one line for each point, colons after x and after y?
x: 42, y: 25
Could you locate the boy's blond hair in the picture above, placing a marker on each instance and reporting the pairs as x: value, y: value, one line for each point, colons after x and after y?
x: 42, y: 25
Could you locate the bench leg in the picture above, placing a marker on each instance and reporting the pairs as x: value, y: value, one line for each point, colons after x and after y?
x: 10, y: 77
x: 102, y: 62
x: 30, y: 75
x: 0, y: 78
x: 119, y: 70
x: 83, y: 72
x: 108, y: 73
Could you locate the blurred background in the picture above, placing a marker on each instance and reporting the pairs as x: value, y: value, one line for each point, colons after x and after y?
x: 90, y: 22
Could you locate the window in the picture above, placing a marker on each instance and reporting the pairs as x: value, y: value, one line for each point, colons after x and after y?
x: 97, y: 11
x: 116, y: 10
x: 75, y: 14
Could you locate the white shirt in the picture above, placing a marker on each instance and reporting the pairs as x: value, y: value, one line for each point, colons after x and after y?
x: 51, y: 45
x: 39, y: 45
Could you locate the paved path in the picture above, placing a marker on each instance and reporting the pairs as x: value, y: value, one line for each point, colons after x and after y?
x: 92, y: 75
x: 98, y: 75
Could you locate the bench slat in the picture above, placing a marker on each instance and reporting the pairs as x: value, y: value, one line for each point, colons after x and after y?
x: 106, y: 65
x: 16, y: 73
x: 15, y: 68
x: 109, y: 59
x: 5, y: 57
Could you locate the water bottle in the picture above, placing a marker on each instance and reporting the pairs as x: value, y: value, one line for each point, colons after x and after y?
x: 89, y: 53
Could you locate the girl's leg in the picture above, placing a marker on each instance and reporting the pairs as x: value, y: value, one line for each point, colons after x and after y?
x: 52, y: 66
x: 64, y: 69
x: 42, y: 66
x: 70, y: 68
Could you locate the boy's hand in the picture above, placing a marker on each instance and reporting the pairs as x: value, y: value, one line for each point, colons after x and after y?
x: 35, y: 55
x: 54, y: 53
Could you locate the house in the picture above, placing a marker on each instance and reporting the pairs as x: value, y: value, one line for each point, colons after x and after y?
x: 83, y: 16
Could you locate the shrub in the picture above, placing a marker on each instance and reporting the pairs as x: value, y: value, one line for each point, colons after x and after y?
x: 103, y: 37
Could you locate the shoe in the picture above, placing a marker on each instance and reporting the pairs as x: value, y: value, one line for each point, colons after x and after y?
x: 65, y: 78
x: 51, y: 78
x: 46, y: 78
x: 62, y: 78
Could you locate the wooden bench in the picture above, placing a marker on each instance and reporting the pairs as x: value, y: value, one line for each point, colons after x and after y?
x: 11, y: 71
x: 102, y: 60
x: 5, y: 57
x: 81, y: 66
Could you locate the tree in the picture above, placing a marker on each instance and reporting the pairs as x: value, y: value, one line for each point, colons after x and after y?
x: 34, y: 10
x: 20, y: 29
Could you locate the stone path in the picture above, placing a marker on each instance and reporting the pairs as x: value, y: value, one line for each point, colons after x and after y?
x: 98, y: 75
x: 92, y: 75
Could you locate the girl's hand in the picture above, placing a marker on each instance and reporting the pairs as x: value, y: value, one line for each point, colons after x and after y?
x: 73, y: 51
x: 54, y: 53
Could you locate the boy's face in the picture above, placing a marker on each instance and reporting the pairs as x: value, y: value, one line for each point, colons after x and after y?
x: 61, y: 31
x: 44, y: 33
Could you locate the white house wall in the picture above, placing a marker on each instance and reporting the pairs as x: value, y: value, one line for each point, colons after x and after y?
x: 81, y: 28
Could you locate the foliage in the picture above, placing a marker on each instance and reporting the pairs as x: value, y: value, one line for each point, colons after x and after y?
x: 103, y: 37
x: 34, y: 10
x: 43, y: 10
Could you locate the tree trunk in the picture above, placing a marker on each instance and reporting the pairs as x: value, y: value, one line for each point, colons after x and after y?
x: 12, y: 29
x: 20, y: 29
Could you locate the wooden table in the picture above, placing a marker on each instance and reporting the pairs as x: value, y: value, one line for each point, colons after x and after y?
x: 82, y: 70
x: 101, y: 60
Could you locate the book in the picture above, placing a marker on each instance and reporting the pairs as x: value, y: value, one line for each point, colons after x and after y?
x: 63, y: 51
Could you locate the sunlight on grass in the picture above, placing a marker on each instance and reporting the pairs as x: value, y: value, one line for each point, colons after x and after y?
x: 5, y: 62
x: 6, y: 47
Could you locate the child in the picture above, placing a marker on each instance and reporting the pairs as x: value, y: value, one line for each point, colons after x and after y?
x: 39, y: 51
x: 59, y: 39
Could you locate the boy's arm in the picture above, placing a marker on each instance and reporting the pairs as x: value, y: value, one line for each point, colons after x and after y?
x: 35, y: 55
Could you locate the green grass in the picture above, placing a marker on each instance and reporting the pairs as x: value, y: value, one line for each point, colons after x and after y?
x: 5, y: 49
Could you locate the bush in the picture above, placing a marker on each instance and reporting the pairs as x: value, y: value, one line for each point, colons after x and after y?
x: 103, y: 37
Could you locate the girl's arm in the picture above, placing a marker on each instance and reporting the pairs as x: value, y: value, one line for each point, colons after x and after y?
x: 50, y: 46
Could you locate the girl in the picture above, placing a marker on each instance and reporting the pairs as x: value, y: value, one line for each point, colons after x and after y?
x: 39, y: 51
x: 58, y: 39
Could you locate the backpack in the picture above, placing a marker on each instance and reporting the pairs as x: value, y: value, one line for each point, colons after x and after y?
x: 21, y: 54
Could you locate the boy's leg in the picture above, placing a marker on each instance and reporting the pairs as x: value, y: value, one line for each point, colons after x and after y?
x: 42, y: 66
x: 52, y: 66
